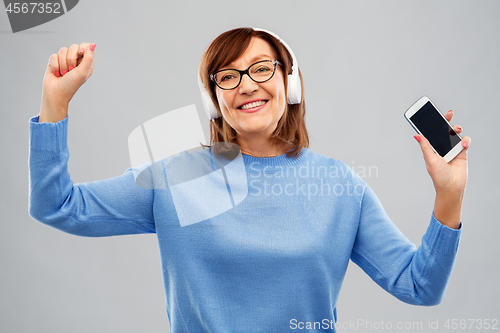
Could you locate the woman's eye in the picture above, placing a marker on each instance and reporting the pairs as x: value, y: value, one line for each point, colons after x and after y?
x: 262, y: 69
x: 227, y: 77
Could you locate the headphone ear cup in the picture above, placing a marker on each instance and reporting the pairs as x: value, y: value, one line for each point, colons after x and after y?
x: 294, y: 89
x: 208, y: 105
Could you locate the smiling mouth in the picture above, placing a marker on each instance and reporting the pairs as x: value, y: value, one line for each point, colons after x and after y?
x: 252, y: 105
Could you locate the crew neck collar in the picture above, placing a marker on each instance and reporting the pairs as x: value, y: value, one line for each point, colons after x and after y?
x: 276, y: 160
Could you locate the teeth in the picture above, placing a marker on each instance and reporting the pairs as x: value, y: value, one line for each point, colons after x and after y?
x: 252, y: 105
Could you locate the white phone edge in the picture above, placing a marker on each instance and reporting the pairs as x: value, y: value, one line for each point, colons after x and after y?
x: 417, y: 106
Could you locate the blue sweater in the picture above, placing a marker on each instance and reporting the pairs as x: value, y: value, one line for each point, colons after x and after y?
x: 272, y: 261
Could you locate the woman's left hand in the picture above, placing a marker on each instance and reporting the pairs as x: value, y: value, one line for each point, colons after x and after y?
x: 447, y: 177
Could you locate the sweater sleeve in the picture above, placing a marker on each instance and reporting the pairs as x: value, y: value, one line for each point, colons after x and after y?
x: 415, y: 276
x: 116, y: 206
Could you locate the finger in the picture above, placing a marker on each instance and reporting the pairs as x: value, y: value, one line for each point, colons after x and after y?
x: 54, y: 65
x: 457, y: 128
x: 429, y: 155
x: 86, y: 65
x: 465, y: 145
x: 63, y: 64
x: 448, y: 115
x: 81, y: 51
x: 466, y: 142
x: 72, y: 56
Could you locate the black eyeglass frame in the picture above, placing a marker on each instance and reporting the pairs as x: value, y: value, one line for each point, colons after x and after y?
x: 275, y: 64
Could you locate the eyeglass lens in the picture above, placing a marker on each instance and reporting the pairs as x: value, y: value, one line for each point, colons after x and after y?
x: 259, y: 72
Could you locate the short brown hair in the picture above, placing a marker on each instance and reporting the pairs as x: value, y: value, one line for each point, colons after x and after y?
x: 291, y: 128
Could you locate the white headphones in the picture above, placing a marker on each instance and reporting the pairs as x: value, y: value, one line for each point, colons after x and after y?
x: 294, y: 89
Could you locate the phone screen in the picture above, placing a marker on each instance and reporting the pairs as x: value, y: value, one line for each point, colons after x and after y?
x: 430, y: 123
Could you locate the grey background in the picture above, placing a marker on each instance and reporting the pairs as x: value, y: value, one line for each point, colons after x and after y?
x: 363, y: 62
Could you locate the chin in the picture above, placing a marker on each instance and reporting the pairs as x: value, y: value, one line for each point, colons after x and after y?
x: 256, y: 127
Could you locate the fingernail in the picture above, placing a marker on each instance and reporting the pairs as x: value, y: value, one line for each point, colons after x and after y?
x: 92, y: 47
x: 417, y: 138
x: 459, y: 127
x: 71, y: 68
x: 464, y: 144
x: 58, y: 74
x: 81, y: 50
x: 64, y: 72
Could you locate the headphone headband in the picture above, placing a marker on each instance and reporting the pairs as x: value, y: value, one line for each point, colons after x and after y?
x: 294, y: 88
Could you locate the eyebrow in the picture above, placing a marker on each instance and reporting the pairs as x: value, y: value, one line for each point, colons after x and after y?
x: 253, y: 60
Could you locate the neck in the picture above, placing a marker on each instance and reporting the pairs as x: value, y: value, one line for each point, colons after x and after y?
x: 261, y: 147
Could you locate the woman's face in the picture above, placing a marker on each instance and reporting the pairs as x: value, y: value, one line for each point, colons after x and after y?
x: 270, y: 96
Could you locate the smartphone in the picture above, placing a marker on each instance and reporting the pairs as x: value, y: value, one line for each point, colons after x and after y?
x: 426, y: 119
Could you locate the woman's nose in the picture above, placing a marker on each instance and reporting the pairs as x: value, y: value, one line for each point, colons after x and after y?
x: 247, y: 85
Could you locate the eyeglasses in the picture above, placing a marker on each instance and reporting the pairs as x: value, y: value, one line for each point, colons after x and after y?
x: 259, y: 72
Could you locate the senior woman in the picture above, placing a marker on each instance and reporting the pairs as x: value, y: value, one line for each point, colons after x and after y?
x: 276, y: 260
